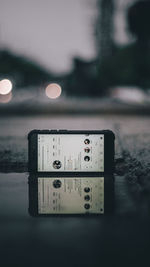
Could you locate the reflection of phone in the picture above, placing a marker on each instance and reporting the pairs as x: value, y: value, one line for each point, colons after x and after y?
x: 70, y: 195
x: 67, y: 152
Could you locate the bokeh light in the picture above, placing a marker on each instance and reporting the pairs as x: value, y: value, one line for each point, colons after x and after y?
x: 53, y: 90
x: 5, y: 98
x: 5, y: 87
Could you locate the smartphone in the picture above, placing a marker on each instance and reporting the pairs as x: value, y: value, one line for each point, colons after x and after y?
x: 70, y: 195
x: 67, y: 152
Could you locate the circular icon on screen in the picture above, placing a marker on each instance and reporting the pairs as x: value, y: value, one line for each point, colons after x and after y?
x: 57, y: 164
x: 87, y: 197
x: 87, y: 206
x: 87, y: 189
x: 87, y: 149
x: 86, y: 158
x: 86, y: 141
x: 57, y: 183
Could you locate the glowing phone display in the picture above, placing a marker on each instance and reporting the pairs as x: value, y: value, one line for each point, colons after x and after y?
x: 71, y: 152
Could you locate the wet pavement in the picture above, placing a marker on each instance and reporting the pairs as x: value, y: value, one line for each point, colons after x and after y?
x: 119, y: 239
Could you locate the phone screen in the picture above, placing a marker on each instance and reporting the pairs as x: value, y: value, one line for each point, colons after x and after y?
x: 71, y: 152
x: 70, y: 195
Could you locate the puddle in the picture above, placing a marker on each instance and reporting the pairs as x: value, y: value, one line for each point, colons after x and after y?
x: 57, y: 241
x: 14, y: 201
x: 13, y: 196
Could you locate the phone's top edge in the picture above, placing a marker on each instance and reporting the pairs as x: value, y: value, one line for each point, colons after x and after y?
x: 53, y: 131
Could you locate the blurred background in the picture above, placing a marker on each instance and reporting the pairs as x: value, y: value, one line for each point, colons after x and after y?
x: 75, y: 64
x: 94, y: 49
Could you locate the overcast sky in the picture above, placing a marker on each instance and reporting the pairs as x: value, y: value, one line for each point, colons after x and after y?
x: 51, y: 32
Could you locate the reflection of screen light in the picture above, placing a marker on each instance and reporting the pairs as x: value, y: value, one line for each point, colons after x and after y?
x: 5, y: 87
x: 5, y: 98
x: 53, y: 90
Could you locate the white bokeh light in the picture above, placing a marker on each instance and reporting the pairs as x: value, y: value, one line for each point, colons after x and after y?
x: 53, y: 90
x: 5, y: 87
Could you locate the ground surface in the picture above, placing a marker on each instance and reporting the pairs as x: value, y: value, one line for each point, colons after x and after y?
x: 118, y: 240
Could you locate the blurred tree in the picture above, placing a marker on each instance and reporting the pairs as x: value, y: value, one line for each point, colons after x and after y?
x: 83, y: 80
x: 139, y: 25
x: 22, y: 70
x: 104, y: 40
x: 139, y: 21
x: 104, y: 29
x: 130, y: 65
